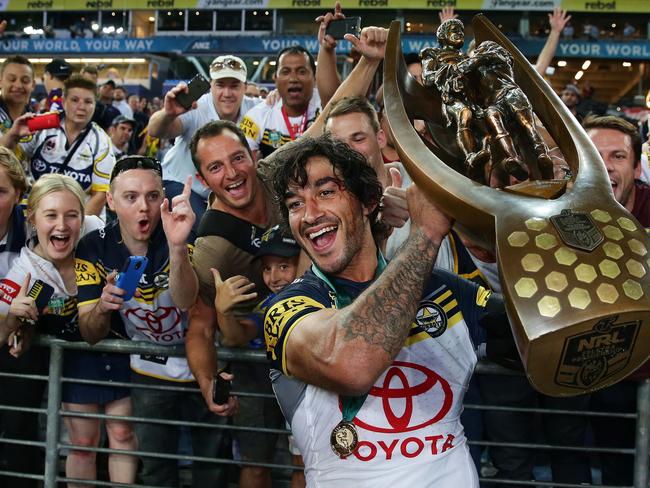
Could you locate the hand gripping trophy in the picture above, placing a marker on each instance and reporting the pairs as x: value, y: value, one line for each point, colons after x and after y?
x: 573, y: 264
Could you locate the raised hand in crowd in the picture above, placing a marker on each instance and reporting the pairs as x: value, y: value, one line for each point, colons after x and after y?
x: 171, y: 105
x: 371, y: 43
x: 326, y: 41
x: 394, y: 206
x: 178, y: 221
x: 558, y: 19
x: 229, y: 293
x: 18, y: 130
x: 327, y: 76
x: 447, y: 13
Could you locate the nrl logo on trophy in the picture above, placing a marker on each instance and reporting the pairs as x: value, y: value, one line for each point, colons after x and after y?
x: 502, y: 155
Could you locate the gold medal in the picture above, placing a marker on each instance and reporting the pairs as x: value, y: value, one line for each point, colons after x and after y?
x: 344, y: 439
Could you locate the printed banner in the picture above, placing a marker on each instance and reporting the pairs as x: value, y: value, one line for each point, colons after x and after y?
x: 596, y: 6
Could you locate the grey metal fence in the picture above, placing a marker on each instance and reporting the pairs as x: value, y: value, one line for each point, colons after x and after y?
x: 54, y: 446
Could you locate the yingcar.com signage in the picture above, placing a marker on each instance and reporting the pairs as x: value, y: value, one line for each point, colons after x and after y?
x: 596, y: 6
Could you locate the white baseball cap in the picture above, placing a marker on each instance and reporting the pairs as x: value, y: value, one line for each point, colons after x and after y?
x: 228, y: 66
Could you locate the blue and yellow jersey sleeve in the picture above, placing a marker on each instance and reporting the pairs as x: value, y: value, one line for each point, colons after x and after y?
x: 285, y: 313
x: 89, y: 270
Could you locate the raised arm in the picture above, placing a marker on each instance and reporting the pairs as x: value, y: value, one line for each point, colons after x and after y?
x: 558, y: 19
x: 177, y: 223
x: 327, y: 76
x: 346, y: 350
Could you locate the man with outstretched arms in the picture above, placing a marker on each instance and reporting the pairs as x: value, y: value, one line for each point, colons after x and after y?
x: 370, y: 361
x: 146, y: 226
x: 224, y: 101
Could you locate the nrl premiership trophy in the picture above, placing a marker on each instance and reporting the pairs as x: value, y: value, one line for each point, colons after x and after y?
x: 573, y: 263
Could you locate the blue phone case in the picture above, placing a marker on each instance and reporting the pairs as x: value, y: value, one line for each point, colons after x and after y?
x: 129, y: 277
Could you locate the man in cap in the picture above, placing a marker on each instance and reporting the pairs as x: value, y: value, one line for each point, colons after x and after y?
x: 105, y: 113
x: 224, y: 101
x: 56, y: 72
x: 120, y: 133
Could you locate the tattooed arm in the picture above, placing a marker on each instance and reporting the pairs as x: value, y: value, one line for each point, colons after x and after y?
x: 346, y: 350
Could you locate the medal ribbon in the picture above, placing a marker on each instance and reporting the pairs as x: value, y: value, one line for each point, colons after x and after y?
x: 351, y: 404
x: 293, y: 134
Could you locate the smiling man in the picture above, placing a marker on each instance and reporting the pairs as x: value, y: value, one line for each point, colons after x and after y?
x: 16, y: 84
x: 229, y: 237
x: 269, y: 127
x: 157, y: 314
x: 224, y: 101
x: 340, y: 334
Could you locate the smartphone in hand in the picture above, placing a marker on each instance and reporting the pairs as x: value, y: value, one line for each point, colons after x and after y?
x: 130, y: 275
x: 195, y: 89
x: 220, y: 390
x: 339, y: 27
x: 41, y: 292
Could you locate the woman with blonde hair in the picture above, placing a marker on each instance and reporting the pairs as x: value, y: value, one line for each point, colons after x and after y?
x: 55, y: 211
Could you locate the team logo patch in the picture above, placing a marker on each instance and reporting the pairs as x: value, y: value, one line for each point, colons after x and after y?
x: 161, y: 280
x: 432, y: 318
x: 39, y: 166
x: 591, y: 357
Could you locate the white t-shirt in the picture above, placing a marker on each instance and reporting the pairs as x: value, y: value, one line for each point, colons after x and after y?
x: 177, y: 163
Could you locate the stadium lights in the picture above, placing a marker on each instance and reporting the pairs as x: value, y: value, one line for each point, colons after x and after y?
x: 561, y: 64
x: 152, y: 19
x: 627, y: 64
x: 95, y: 26
x: 579, y: 75
x: 29, y: 30
x: 586, y: 64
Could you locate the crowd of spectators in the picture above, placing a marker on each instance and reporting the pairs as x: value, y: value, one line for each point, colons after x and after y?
x: 187, y: 187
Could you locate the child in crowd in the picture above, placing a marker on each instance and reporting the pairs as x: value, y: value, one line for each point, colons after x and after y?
x: 279, y: 254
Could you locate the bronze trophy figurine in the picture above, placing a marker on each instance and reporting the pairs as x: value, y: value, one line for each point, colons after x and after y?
x: 573, y: 263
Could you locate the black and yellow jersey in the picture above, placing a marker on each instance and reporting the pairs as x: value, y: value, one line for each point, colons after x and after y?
x: 152, y: 316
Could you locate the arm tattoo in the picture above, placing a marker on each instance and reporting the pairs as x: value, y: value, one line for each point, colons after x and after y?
x: 381, y: 315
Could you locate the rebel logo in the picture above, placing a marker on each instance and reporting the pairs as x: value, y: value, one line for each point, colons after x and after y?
x: 412, y: 397
x: 159, y: 322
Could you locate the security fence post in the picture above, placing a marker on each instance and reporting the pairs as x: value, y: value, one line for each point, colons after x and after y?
x: 642, y: 435
x: 53, y: 418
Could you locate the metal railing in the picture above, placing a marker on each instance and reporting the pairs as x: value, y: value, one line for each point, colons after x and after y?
x: 53, y: 445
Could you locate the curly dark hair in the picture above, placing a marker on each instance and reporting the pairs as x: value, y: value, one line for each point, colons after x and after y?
x: 358, y: 177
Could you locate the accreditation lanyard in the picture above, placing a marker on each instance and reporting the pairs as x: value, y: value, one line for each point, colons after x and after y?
x: 350, y: 404
x: 293, y: 133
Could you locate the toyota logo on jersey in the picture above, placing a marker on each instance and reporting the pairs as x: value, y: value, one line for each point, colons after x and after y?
x: 160, y: 325
x: 412, y: 397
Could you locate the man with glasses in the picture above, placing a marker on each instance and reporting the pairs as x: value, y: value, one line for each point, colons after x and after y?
x: 225, y: 101
x: 148, y: 226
